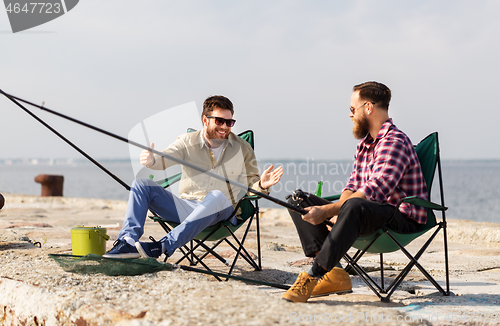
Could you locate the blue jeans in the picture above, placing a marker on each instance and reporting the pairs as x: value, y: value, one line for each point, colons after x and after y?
x: 193, y: 216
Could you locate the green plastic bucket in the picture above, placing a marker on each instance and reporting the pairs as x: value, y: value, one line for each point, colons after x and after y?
x: 88, y: 240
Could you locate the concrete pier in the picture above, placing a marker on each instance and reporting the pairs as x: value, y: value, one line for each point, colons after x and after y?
x: 34, y: 290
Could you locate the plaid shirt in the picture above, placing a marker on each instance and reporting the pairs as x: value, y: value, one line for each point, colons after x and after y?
x: 387, y: 169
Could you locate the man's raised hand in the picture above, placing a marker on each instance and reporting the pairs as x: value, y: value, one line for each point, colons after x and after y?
x: 270, y: 178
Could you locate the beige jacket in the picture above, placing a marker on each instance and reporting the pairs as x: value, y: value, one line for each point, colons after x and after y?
x: 237, y: 162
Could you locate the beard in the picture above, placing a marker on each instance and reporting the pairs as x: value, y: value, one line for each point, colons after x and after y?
x: 215, y: 139
x: 361, y: 127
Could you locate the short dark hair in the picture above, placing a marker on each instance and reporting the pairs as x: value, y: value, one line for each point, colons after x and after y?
x: 374, y: 92
x: 216, y: 101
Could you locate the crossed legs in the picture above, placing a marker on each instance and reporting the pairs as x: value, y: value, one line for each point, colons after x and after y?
x: 193, y: 216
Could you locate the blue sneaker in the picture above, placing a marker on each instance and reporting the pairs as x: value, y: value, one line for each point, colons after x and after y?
x: 122, y: 249
x: 149, y: 249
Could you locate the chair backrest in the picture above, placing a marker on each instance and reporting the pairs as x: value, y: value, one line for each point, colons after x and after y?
x: 428, y: 155
x: 248, y: 136
x: 245, y: 135
x: 246, y: 206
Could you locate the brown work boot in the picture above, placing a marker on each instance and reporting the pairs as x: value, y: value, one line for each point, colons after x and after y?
x: 301, y: 290
x: 336, y: 281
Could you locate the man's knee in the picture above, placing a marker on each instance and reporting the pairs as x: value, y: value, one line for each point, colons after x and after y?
x: 352, y: 209
x: 355, y: 213
x: 217, y: 196
x: 217, y: 199
x: 353, y: 204
x: 143, y: 182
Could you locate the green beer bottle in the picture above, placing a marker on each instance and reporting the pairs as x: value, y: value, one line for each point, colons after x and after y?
x: 319, y: 188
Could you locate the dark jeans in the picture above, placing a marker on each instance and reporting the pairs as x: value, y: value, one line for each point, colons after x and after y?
x: 357, y: 217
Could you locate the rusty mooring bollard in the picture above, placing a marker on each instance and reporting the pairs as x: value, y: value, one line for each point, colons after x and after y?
x: 52, y: 185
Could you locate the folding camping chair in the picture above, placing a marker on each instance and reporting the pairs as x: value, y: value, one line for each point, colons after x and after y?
x: 223, y: 232
x: 386, y: 240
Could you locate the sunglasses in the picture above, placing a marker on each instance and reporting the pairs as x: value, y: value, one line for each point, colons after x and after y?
x: 354, y: 109
x: 220, y: 121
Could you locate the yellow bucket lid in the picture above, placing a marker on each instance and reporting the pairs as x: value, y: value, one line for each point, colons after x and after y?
x: 85, y: 229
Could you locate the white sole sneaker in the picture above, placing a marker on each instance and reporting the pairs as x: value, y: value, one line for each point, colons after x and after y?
x: 123, y: 256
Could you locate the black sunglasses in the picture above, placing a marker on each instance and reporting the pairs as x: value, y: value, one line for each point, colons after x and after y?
x: 220, y: 121
x: 354, y: 109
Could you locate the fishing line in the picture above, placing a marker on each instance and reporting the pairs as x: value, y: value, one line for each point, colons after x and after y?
x: 239, y: 278
x: 195, y: 167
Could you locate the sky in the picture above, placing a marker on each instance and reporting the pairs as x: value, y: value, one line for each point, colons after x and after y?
x: 287, y: 66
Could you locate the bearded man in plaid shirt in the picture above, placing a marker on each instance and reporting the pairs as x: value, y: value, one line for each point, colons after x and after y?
x: 386, y: 169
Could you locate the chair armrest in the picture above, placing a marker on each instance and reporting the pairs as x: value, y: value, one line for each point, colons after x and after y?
x: 421, y: 202
x: 410, y: 199
x: 167, y: 182
x: 254, y: 197
x: 332, y: 198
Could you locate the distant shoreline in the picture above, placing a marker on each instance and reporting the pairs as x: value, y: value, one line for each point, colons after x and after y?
x: 469, y: 185
x: 84, y: 161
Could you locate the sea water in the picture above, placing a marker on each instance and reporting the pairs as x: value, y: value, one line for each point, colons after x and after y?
x: 471, y: 188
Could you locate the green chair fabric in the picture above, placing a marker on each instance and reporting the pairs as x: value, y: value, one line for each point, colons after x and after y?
x: 386, y: 240
x: 221, y: 232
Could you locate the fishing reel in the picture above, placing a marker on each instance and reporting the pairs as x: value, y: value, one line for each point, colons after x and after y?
x: 298, y: 196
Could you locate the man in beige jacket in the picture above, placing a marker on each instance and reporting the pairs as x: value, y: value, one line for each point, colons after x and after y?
x: 203, y: 200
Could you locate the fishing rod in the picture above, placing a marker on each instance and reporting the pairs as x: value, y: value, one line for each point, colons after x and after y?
x: 15, y: 99
x: 120, y: 181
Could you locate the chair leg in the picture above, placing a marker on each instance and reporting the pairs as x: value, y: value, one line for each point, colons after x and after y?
x: 446, y: 266
x: 256, y: 214
x: 353, y: 263
x: 188, y: 251
x: 191, y: 251
x: 211, y: 250
x: 414, y: 262
x: 167, y: 229
x: 208, y: 251
x: 363, y: 275
x: 246, y: 256
x: 242, y: 249
x: 185, y: 254
x: 348, y: 269
x: 201, y: 243
x: 382, y: 284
